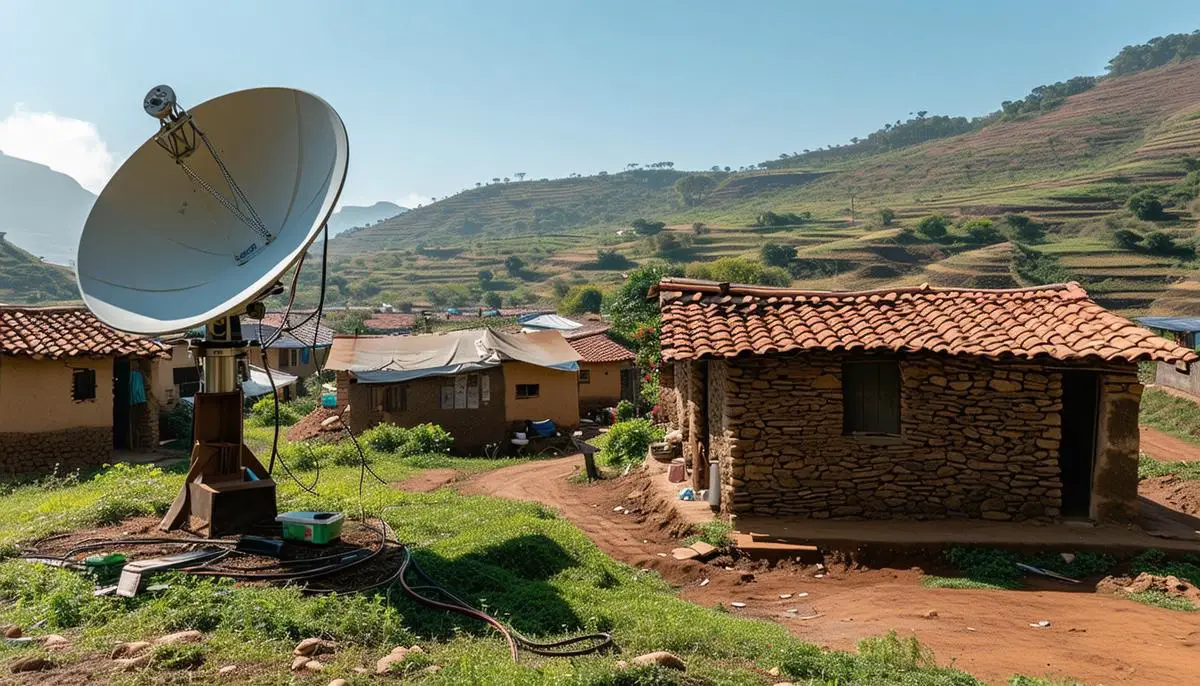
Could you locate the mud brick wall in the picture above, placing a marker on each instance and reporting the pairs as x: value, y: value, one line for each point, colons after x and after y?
x: 67, y: 449
x: 1115, y: 484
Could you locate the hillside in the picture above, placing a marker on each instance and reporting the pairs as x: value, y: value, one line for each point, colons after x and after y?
x: 356, y: 216
x: 1071, y: 169
x: 24, y: 279
x: 42, y: 210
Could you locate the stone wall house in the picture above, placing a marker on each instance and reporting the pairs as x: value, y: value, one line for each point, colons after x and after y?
x: 913, y: 402
x: 67, y: 396
x: 607, y: 370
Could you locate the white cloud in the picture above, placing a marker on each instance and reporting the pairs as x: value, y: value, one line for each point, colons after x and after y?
x: 413, y: 199
x: 71, y: 146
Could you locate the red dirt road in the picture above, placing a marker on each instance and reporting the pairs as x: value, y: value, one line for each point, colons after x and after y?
x: 1166, y: 448
x: 1096, y: 638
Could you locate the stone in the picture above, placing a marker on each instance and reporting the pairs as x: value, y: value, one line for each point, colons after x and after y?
x: 339, y: 682
x: 12, y: 631
x: 684, y: 554
x: 313, y: 666
x: 299, y: 662
x: 431, y: 669
x: 384, y: 664
x: 55, y: 642
x: 128, y: 664
x: 1004, y: 386
x: 313, y: 646
x: 227, y: 670
x: 129, y: 649
x: 32, y: 663
x: 661, y: 658
x: 189, y: 636
x: 930, y: 614
x: 704, y: 550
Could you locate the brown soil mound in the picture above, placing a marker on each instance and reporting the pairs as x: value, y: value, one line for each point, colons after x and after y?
x: 1179, y: 494
x: 310, y: 427
x: 1170, y: 585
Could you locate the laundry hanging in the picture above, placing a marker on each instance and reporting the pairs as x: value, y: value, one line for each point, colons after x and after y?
x: 137, y: 388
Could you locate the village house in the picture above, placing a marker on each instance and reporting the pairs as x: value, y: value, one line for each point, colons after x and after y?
x: 479, y: 385
x: 72, y: 390
x: 1182, y: 330
x: 912, y: 402
x: 608, y: 372
x: 300, y: 352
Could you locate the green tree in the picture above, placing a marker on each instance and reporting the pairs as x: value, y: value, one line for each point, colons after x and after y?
x: 668, y: 244
x: 1024, y: 228
x: 982, y: 231
x: 776, y: 255
x: 693, y: 188
x: 648, y: 228
x: 1129, y: 240
x: 492, y: 299
x: 699, y: 228
x: 1145, y: 205
x: 739, y: 270
x: 486, y: 276
x: 629, y: 306
x: 582, y: 299
x: 886, y: 216
x: 934, y: 226
x: 514, y: 265
x: 1160, y: 243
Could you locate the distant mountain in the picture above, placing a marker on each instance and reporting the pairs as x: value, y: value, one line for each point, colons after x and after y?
x: 355, y: 216
x: 26, y: 280
x: 42, y: 210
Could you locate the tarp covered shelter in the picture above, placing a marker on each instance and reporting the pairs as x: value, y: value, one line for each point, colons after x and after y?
x: 394, y: 359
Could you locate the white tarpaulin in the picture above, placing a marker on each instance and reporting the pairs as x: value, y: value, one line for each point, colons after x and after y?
x: 392, y: 359
x: 259, y: 384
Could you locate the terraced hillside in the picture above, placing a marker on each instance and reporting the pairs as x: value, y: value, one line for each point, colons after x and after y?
x: 1071, y: 169
x: 25, y: 279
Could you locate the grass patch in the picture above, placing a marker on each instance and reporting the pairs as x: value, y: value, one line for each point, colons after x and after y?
x: 1148, y: 468
x: 715, y: 533
x: 515, y: 559
x: 990, y: 568
x: 1171, y: 414
x: 1163, y: 600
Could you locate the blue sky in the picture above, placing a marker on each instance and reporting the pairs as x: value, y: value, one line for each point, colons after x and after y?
x: 437, y: 95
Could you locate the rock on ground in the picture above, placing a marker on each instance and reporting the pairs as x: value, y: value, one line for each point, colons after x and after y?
x: 129, y: 649
x: 128, y: 664
x: 32, y: 663
x: 189, y: 636
x: 661, y: 658
x: 1170, y: 585
x: 313, y: 646
x: 397, y: 655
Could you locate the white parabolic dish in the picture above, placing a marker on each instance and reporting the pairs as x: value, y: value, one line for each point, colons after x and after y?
x: 157, y: 251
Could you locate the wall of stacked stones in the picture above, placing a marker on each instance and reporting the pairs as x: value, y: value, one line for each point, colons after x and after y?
x: 978, y: 439
x: 67, y: 450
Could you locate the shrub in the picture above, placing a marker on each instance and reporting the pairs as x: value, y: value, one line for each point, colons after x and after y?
x: 982, y: 231
x: 1160, y: 243
x: 776, y: 255
x: 648, y: 228
x: 1124, y: 238
x: 421, y: 439
x: 607, y: 258
x: 177, y: 656
x: 176, y: 422
x: 886, y: 216
x: 581, y: 299
x: 739, y: 270
x: 1145, y: 205
x: 626, y: 411
x: 262, y: 413
x: 628, y: 442
x: 934, y: 226
x: 1024, y: 228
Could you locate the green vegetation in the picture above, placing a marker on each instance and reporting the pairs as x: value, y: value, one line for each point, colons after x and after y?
x: 26, y: 279
x: 715, y: 533
x: 1045, y: 98
x: 990, y: 568
x: 739, y: 270
x: 1156, y: 52
x: 775, y: 255
x: 517, y: 559
x: 628, y: 442
x: 1145, y: 205
x: 1148, y: 468
x: 581, y: 300
x: 1170, y: 414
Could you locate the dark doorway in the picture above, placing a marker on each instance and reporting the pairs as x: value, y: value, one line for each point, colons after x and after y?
x: 121, y: 436
x: 1077, y: 451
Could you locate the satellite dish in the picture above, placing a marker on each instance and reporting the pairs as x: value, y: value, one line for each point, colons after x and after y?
x: 207, y: 215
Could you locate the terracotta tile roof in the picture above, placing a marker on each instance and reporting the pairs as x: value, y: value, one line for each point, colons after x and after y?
x: 55, y: 333
x: 703, y: 319
x: 387, y: 321
x: 589, y: 328
x: 601, y: 348
x: 301, y: 336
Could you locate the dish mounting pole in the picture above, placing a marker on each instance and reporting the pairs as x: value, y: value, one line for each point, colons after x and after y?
x: 226, y: 487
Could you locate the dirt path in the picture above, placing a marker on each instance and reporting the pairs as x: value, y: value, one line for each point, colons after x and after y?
x: 1166, y: 448
x: 428, y: 480
x: 1095, y: 638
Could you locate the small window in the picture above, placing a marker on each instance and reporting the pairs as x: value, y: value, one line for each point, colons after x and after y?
x: 83, y: 384
x: 585, y: 376
x: 390, y: 398
x: 527, y: 390
x: 871, y: 397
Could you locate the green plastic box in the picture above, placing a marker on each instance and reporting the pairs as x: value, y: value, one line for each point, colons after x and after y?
x: 311, y: 527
